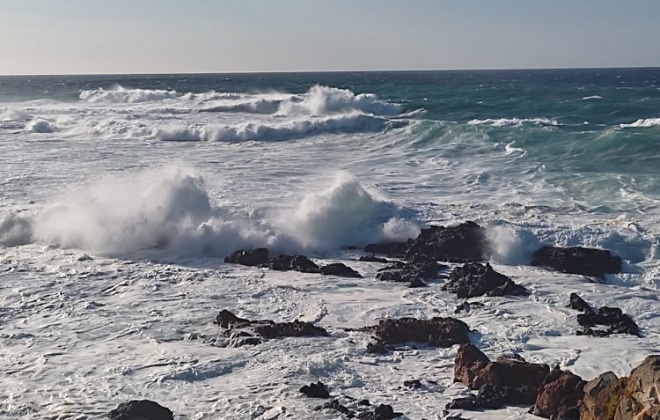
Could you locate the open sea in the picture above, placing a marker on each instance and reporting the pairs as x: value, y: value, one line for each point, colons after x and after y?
x: 121, y: 195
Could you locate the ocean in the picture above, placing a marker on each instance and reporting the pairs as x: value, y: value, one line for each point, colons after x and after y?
x: 121, y: 195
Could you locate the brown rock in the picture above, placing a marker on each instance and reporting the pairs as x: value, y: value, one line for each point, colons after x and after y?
x: 560, y: 391
x: 469, y: 364
x: 641, y: 394
x: 438, y: 331
x: 601, y: 397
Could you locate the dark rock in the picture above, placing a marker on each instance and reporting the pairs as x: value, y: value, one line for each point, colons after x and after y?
x: 226, y: 319
x: 315, y: 390
x: 464, y: 403
x: 140, y: 410
x: 567, y: 413
x: 417, y: 282
x: 440, y: 332
x: 577, y: 303
x: 411, y: 273
x: 491, y: 397
x: 413, y: 384
x: 376, y: 348
x: 578, y: 260
x: 290, y: 329
x: 560, y: 392
x: 336, y: 405
x: 253, y: 258
x: 381, y: 412
x: 299, y: 263
x: 461, y: 243
x: 474, y: 279
x: 391, y: 249
x: 613, y: 318
x: 467, y: 306
x: 373, y: 258
x: 340, y: 270
x: 363, y: 403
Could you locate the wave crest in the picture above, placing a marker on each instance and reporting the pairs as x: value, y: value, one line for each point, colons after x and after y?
x: 120, y: 95
x: 643, y: 123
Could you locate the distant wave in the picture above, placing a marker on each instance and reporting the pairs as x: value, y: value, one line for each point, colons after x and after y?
x: 121, y: 95
x: 354, y: 123
x: 589, y: 98
x: 643, y: 123
x: 514, y: 122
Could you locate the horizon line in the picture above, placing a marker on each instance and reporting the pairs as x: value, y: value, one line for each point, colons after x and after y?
x: 328, y: 71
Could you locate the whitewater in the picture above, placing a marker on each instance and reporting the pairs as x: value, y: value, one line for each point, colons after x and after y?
x: 121, y: 195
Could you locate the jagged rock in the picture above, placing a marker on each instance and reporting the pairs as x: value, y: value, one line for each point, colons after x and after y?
x: 464, y: 403
x: 467, y: 306
x: 299, y: 263
x: 474, y: 279
x: 315, y: 390
x: 412, y: 384
x: 391, y: 249
x: 253, y: 258
x: 513, y: 380
x: 340, y: 270
x: 613, y: 318
x: 640, y: 398
x: 578, y: 260
x: 376, y: 348
x: 336, y: 405
x: 363, y: 403
x: 560, y: 392
x: 461, y: 243
x: 373, y: 258
x: 381, y: 412
x: 140, y: 410
x: 601, y: 397
x: 411, y: 273
x: 365, y: 410
x: 440, y: 332
x: 243, y: 331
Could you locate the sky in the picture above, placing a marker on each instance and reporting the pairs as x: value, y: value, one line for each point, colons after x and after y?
x: 184, y: 36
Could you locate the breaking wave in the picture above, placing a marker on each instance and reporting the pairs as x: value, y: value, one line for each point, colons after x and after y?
x: 515, y: 122
x: 643, y: 123
x: 170, y: 210
x: 40, y: 126
x: 121, y: 95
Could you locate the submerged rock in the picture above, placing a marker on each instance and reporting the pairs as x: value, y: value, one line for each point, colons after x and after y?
x: 438, y: 331
x: 241, y: 331
x: 339, y: 270
x: 613, y: 318
x: 391, y: 249
x: 467, y: 306
x: 474, y: 279
x: 257, y: 257
x: 140, y: 410
x: 373, y: 258
x: 315, y: 390
x: 578, y: 260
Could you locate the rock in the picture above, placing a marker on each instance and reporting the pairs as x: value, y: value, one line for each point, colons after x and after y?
x: 373, y: 258
x: 640, y: 398
x: 578, y: 260
x: 299, y: 263
x: 411, y: 273
x: 257, y: 257
x: 464, y: 403
x: 381, y: 412
x: 474, y: 279
x: 601, y: 397
x: 336, y: 405
x: 363, y: 403
x: 440, y: 332
x: 514, y: 380
x: 242, y: 331
x: 376, y: 348
x: 467, y: 306
x: 85, y: 257
x: 391, y: 249
x: 412, y: 384
x: 613, y: 318
x: 461, y: 243
x: 340, y: 270
x: 560, y: 392
x: 315, y: 390
x: 140, y: 410
x: 290, y: 329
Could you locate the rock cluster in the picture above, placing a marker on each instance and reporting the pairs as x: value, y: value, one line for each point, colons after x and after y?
x: 474, y: 279
x: 613, y: 318
x: 241, y: 331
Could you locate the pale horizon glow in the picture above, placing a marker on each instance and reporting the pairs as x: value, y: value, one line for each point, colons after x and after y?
x: 197, y: 36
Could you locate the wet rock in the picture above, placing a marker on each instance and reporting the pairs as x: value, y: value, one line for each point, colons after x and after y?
x: 315, y: 390
x: 613, y: 318
x: 337, y: 406
x: 376, y: 348
x: 381, y: 412
x: 467, y: 306
x: 391, y: 249
x: 438, y: 331
x: 299, y: 263
x: 601, y: 397
x: 257, y: 257
x: 85, y: 257
x: 464, y: 403
x: 515, y: 380
x: 141, y: 410
x: 578, y: 260
x: 640, y: 398
x: 340, y: 270
x: 243, y: 331
x: 560, y: 392
x: 411, y: 273
x: 412, y: 384
x: 373, y: 258
x: 474, y: 279
x: 363, y: 403
x: 461, y: 243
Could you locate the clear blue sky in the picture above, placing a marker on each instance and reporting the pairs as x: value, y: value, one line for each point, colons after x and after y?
x: 171, y: 36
